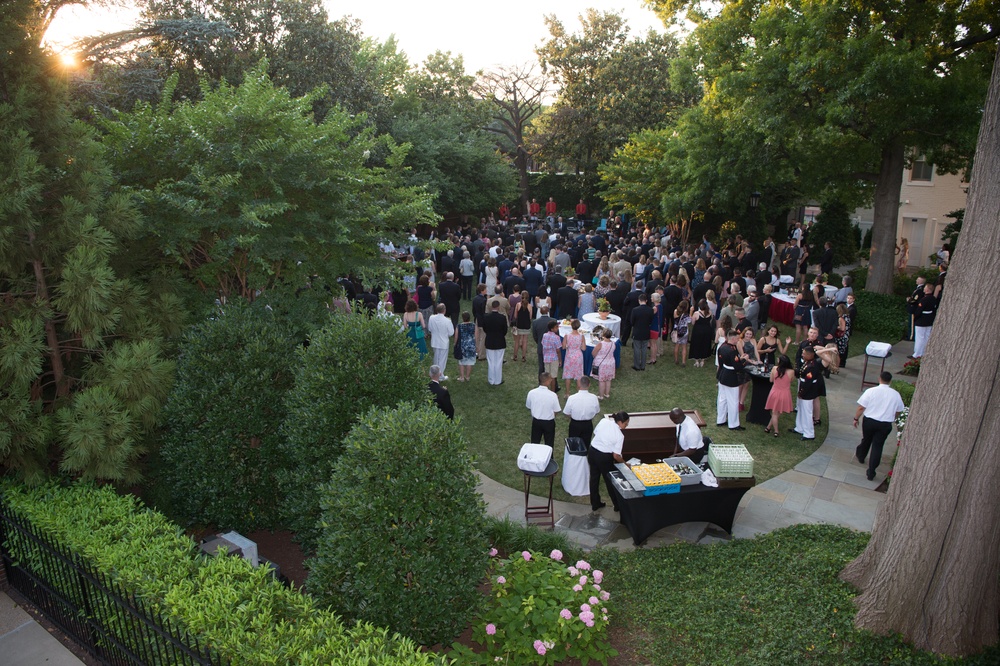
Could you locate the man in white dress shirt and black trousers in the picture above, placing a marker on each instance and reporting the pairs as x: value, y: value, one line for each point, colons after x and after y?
x: 690, y: 442
x: 879, y: 406
x: 543, y: 403
x: 581, y: 408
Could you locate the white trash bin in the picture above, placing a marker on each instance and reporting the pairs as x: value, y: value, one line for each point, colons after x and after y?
x: 576, y: 469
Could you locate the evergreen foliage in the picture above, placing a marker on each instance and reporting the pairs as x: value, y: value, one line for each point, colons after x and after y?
x: 833, y: 224
x: 223, y: 419
x: 82, y: 369
x: 351, y: 365
x: 403, y: 542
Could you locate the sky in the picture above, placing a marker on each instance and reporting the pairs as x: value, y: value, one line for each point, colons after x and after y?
x: 485, y: 34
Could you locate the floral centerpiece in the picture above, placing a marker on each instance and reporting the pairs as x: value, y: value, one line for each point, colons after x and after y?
x: 542, y: 611
x: 603, y: 307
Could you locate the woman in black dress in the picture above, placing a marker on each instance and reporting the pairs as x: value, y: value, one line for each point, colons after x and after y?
x: 805, y: 302
x: 770, y: 344
x: 701, y: 334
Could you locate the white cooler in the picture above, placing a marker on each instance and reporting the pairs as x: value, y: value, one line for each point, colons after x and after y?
x: 576, y: 469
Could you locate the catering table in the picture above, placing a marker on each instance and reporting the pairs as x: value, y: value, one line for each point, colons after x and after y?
x: 643, y: 516
x: 652, y: 435
x: 756, y: 413
x: 782, y: 309
x: 588, y: 353
x: 614, y: 322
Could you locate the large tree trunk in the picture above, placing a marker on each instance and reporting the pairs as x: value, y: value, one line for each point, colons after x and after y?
x: 890, y: 180
x: 524, y: 183
x: 930, y: 571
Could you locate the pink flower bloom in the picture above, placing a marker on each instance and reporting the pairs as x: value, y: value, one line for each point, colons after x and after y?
x: 565, y: 614
x: 577, y: 588
x: 493, y: 552
x: 585, y: 607
x: 583, y: 580
x: 586, y: 616
x: 596, y: 587
x: 539, y: 647
x: 598, y: 576
x: 604, y: 610
x: 593, y: 601
x: 491, y: 629
x: 556, y: 555
x: 583, y: 565
x: 501, y: 580
x: 605, y: 595
x: 526, y: 555
x: 574, y: 572
x: 589, y: 623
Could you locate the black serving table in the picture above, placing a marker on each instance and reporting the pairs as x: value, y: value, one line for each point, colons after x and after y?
x: 643, y: 516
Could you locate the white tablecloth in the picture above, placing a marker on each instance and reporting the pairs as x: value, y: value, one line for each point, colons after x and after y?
x: 614, y: 322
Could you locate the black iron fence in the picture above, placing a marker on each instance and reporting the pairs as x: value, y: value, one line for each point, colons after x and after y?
x: 114, y: 626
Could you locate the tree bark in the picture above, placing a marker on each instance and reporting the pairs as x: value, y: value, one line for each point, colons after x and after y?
x: 930, y: 571
x: 51, y: 336
x: 887, y: 186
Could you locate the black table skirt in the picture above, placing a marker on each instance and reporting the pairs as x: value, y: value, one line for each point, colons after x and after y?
x: 760, y: 390
x: 643, y: 516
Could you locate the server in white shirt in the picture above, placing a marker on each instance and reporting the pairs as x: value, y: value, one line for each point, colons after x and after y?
x: 543, y: 403
x: 878, y: 406
x: 581, y: 408
x: 605, y: 450
x: 690, y: 442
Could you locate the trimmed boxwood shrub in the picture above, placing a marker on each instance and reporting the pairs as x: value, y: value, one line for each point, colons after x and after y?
x: 351, y: 365
x: 882, y: 316
x: 403, y: 542
x: 223, y: 602
x: 220, y: 449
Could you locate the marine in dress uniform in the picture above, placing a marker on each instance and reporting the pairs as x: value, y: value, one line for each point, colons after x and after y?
x: 730, y: 364
x: 811, y: 386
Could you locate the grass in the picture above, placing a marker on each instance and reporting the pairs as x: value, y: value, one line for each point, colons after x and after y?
x: 775, y: 599
x: 497, y: 423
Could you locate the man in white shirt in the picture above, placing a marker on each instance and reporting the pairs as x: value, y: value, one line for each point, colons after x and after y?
x: 690, y: 443
x: 605, y: 451
x: 879, y: 406
x: 441, y: 331
x: 581, y: 408
x: 543, y: 403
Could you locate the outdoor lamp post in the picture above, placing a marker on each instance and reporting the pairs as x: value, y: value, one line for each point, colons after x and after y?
x: 754, y: 201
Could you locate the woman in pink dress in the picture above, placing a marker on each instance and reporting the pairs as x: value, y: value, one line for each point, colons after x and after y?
x: 779, y: 400
x: 574, y: 344
x: 604, y: 362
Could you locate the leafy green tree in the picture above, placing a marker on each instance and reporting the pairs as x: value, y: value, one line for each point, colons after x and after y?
x: 403, y: 542
x: 351, y: 365
x: 611, y: 86
x: 243, y: 190
x: 844, y: 94
x: 220, y: 449
x: 82, y: 369
x: 833, y: 225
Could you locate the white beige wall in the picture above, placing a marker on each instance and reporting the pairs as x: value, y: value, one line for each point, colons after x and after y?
x: 922, y: 210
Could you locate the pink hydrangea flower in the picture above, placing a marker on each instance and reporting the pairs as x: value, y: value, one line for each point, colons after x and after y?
x: 577, y: 588
x: 585, y: 607
x: 526, y: 555
x: 604, y: 611
x: 583, y: 580
x: 574, y: 572
x: 605, y: 595
x: 491, y: 629
x: 596, y: 587
x: 598, y: 576
x: 493, y: 552
x: 556, y: 555
x: 501, y: 580
x: 589, y: 623
x: 583, y: 565
x: 586, y: 616
x: 593, y: 601
x: 539, y: 647
x: 565, y: 614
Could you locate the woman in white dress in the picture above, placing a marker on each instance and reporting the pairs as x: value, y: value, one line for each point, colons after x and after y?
x: 492, y: 273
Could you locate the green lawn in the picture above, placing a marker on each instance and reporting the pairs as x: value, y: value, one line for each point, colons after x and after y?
x: 497, y: 423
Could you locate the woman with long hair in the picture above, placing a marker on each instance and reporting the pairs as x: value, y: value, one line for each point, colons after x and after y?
x: 699, y: 272
x: 604, y: 361
x: 747, y: 348
x: 903, y: 252
x: 725, y: 323
x: 542, y: 298
x: 416, y: 327
x: 679, y: 334
x: 713, y: 307
x: 843, y: 333
x: 466, y: 336
x: 805, y: 303
x: 603, y: 287
x: 574, y: 343
x: 492, y: 277
x: 522, y: 326
x: 770, y: 344
x: 779, y: 400
x: 655, y: 327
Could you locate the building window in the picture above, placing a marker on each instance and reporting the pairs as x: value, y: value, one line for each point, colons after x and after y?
x: 922, y: 171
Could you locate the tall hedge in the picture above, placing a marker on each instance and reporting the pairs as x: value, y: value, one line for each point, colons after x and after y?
x: 833, y: 224
x: 404, y: 543
x: 221, y: 447
x: 239, y: 611
x: 351, y: 365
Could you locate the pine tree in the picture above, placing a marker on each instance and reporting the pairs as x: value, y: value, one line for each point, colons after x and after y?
x: 82, y: 373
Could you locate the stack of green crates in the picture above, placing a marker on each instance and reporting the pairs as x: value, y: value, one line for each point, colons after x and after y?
x: 730, y: 461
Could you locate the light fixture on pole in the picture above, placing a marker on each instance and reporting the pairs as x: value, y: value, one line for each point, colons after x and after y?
x: 754, y: 201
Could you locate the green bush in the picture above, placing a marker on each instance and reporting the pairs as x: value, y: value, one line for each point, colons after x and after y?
x: 833, y: 224
x: 508, y: 536
x: 351, y: 365
x: 403, y: 543
x: 882, y: 316
x: 905, y: 389
x: 220, y: 449
x: 239, y: 611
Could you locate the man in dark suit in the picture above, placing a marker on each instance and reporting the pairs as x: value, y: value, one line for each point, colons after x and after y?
x: 556, y: 280
x: 616, y: 297
x: 826, y: 259
x: 672, y: 297
x: 532, y: 279
x: 538, y: 328
x: 450, y: 293
x: 441, y: 396
x: 495, y: 332
x: 515, y: 280
x: 630, y: 303
x: 567, y: 299
x: 641, y: 317
x: 586, y: 270
x: 825, y: 319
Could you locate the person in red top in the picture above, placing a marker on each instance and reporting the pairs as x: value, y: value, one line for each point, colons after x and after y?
x: 534, y: 208
x: 504, y: 211
x: 581, y: 210
x: 550, y: 207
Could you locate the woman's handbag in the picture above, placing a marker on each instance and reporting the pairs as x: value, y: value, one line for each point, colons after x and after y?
x: 420, y: 332
x: 457, y: 352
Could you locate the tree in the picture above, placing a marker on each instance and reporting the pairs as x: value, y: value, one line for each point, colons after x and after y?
x: 930, y: 570
x: 611, y: 86
x: 451, y: 153
x: 516, y: 94
x: 812, y: 78
x: 243, y: 190
x: 82, y: 369
x: 833, y: 225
